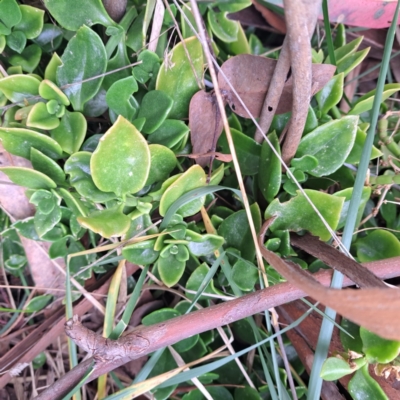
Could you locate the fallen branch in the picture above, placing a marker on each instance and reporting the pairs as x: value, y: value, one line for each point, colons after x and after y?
x: 281, y: 72
x: 147, y: 339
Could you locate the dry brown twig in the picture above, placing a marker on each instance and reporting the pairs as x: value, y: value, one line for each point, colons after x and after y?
x: 169, y: 332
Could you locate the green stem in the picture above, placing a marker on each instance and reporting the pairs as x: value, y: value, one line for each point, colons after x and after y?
x: 328, y: 32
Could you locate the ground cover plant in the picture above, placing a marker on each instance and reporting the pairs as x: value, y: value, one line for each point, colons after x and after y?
x: 176, y: 179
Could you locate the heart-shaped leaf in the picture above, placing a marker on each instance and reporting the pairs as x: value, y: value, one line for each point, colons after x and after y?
x: 28, y: 60
x: 10, y: 16
x: 121, y: 162
x: 31, y: 23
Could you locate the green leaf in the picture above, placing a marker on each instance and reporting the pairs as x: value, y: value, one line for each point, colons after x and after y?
x: 377, y: 349
x: 19, y: 141
x: 50, y: 72
x: 236, y: 231
x: 85, y: 45
x: 297, y: 214
x: 119, y: 97
x: 28, y: 60
x: 149, y: 67
x: 270, y: 172
x: 72, y: 14
x: 245, y: 275
x: 31, y: 23
x: 29, y: 178
x: 78, y: 167
x: 10, y: 16
x: 378, y: 245
x: 44, y: 222
x: 117, y: 64
x: 169, y: 134
x: 203, y: 245
x: 347, y: 193
x: 248, y: 151
x: 345, y: 50
x: 241, y: 44
x: 155, y: 107
x: 19, y: 87
x: 331, y: 93
x: 222, y: 27
x: 71, y: 132
x: 355, y: 154
x: 176, y: 77
x: 351, y: 61
x: 196, y: 280
x: 362, y: 386
x: 172, y: 262
x: 159, y: 316
x: 50, y: 40
x: 40, y: 118
x: 38, y: 303
x: 47, y: 166
x: 163, y: 161
x: 121, y: 162
x: 16, y: 41
x: 330, y: 144
x: 247, y: 393
x: 335, y: 368
x: 364, y: 103
x: 107, y: 223
x: 216, y: 392
x: 44, y: 200
x: 350, y: 343
x: 141, y: 253
x: 50, y: 91
x: 193, y: 178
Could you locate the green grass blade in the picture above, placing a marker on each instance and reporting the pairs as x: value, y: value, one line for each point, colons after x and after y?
x: 130, y: 306
x: 328, y: 32
x: 192, y: 195
x: 324, y: 339
x: 74, y: 390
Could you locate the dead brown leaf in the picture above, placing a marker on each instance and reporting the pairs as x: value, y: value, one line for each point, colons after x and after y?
x: 337, y: 260
x: 205, y: 125
x: 17, y: 206
x: 219, y: 156
x: 251, y: 75
x: 374, y: 308
x: 275, y: 20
